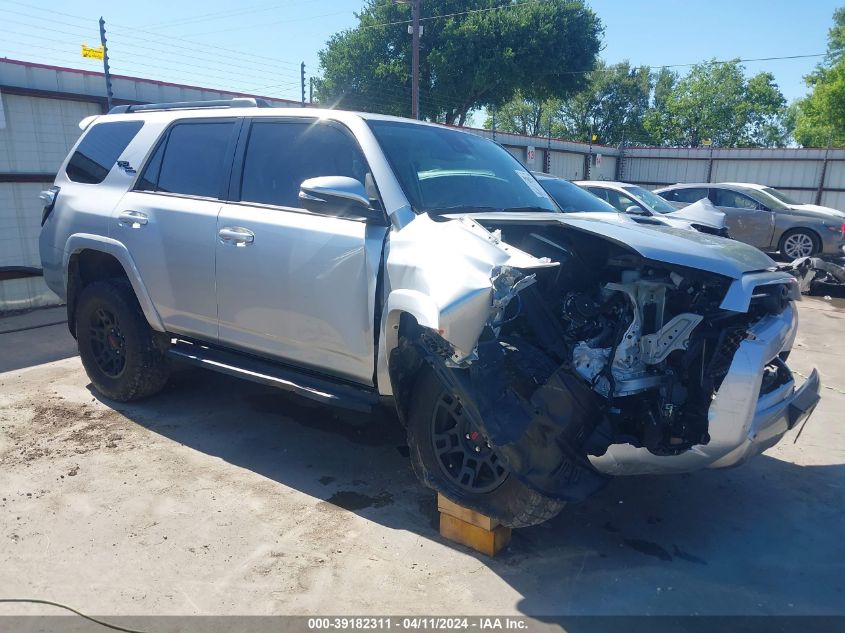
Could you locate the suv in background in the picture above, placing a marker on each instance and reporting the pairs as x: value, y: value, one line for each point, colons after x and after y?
x: 357, y: 259
x: 762, y: 220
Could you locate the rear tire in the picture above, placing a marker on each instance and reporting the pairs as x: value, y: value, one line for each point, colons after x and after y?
x: 118, y: 348
x: 799, y: 243
x: 499, y: 495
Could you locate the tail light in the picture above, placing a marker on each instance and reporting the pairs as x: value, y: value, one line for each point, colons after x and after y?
x: 48, y: 197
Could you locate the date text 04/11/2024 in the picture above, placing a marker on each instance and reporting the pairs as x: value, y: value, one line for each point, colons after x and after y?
x: 418, y: 623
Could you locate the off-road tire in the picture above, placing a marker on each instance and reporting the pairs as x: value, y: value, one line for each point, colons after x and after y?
x: 800, y: 232
x: 145, y: 368
x: 512, y: 503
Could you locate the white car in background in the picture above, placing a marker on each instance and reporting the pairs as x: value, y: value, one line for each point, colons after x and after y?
x: 637, y: 201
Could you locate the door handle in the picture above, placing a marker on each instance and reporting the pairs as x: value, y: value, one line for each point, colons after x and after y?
x: 135, y: 219
x: 237, y: 235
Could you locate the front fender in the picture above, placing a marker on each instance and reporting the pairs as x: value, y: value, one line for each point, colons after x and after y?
x: 79, y: 242
x: 414, y: 303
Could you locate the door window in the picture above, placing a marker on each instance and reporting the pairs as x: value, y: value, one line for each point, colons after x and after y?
x: 191, y: 161
x: 281, y: 154
x: 689, y: 195
x: 732, y: 199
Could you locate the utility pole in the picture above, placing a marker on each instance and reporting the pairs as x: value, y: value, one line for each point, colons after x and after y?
x: 415, y: 59
x: 302, y: 81
x: 109, y: 93
x: 310, y: 90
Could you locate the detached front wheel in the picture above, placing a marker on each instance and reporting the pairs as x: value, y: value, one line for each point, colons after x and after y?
x: 451, y: 456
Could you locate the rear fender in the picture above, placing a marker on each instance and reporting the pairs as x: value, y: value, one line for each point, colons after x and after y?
x: 83, y: 241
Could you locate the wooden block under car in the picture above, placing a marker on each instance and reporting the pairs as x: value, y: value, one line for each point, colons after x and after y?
x: 471, y: 528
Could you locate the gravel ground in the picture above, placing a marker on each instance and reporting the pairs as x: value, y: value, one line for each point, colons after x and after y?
x: 221, y: 497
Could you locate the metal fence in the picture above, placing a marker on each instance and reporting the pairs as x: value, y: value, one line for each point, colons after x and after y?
x: 41, y: 106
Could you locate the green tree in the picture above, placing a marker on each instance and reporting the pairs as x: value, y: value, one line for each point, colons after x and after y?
x: 467, y: 61
x: 611, y: 107
x: 820, y: 117
x: 715, y: 101
x: 525, y: 116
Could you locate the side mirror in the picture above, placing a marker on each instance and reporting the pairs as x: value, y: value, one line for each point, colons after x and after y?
x: 335, y: 195
x: 636, y: 210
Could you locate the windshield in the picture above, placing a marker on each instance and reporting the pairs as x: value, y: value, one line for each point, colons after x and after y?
x: 572, y: 198
x: 765, y: 199
x: 446, y: 170
x: 779, y: 195
x: 654, y: 202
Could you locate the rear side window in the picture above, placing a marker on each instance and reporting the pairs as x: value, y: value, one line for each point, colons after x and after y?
x: 281, y: 154
x: 690, y: 195
x: 190, y: 161
x: 99, y: 150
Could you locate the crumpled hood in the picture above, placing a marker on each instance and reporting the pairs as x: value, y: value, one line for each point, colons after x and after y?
x: 816, y: 211
x: 701, y: 212
x: 681, y: 247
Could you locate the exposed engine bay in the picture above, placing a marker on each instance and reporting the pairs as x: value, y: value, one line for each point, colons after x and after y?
x: 604, y: 348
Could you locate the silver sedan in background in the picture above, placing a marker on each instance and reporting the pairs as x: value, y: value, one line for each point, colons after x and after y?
x: 637, y: 201
x: 757, y: 217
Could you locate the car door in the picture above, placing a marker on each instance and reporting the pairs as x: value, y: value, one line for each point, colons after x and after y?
x: 746, y: 219
x: 294, y: 285
x: 169, y: 222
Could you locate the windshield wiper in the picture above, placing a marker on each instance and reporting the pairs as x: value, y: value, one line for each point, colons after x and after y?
x: 462, y: 208
x: 533, y: 209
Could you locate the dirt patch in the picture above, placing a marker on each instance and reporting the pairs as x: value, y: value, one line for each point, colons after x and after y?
x: 55, y: 428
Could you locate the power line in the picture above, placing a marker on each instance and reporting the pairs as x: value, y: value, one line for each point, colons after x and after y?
x: 456, y: 14
x: 128, y: 31
x: 220, y: 15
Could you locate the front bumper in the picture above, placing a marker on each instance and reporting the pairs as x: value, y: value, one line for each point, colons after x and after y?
x: 742, y: 423
x: 832, y: 244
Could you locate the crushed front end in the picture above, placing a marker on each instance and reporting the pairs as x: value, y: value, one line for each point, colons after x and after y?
x: 612, y: 363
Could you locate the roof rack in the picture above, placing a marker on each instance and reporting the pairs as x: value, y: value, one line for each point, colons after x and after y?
x: 240, y: 102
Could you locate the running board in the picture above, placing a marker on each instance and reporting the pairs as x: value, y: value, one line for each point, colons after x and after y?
x: 326, y: 390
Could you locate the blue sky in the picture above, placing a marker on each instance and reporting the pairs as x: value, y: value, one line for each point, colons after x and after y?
x: 257, y: 46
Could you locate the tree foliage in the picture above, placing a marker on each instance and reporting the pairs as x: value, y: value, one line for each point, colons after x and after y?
x: 715, y: 101
x: 820, y: 117
x: 611, y: 106
x: 526, y: 116
x: 467, y: 61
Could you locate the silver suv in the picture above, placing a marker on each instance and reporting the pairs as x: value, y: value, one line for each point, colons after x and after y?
x: 357, y: 259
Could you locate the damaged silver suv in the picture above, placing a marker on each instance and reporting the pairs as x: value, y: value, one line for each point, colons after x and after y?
x: 357, y: 258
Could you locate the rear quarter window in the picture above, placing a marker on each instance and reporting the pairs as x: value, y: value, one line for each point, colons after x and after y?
x: 99, y: 150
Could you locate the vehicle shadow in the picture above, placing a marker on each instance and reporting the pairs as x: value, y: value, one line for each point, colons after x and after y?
x: 760, y: 539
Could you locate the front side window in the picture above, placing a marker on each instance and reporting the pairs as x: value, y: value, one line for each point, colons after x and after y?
x: 281, y: 154
x: 732, y: 199
x: 99, y: 150
x: 442, y: 170
x: 190, y: 161
x: 690, y: 195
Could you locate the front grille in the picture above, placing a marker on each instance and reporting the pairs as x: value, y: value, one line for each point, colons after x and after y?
x: 726, y: 346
